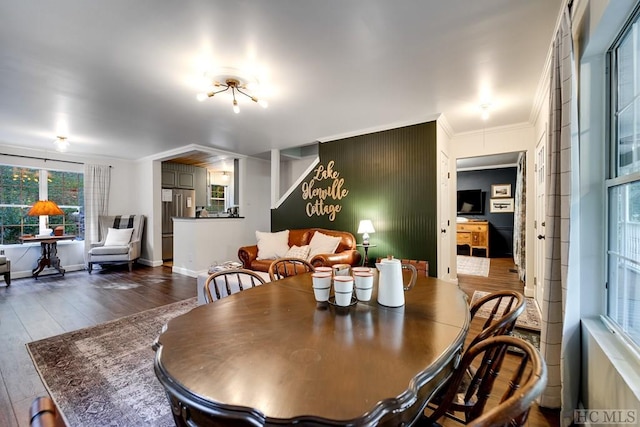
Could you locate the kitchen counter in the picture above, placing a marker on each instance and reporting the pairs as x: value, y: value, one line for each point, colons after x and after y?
x: 199, y: 242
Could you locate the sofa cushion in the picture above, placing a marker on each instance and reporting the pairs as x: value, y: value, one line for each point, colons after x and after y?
x: 118, y: 236
x: 295, y: 251
x: 272, y: 245
x: 3, y: 259
x: 109, y: 250
x: 323, y: 244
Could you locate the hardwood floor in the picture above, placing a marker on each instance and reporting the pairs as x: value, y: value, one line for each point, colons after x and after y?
x: 35, y: 309
x: 502, y: 276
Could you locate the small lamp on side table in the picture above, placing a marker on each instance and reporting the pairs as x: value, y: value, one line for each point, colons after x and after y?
x: 365, y: 227
x: 44, y: 208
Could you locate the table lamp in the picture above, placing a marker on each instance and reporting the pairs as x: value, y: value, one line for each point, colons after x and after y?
x: 44, y: 207
x: 365, y: 227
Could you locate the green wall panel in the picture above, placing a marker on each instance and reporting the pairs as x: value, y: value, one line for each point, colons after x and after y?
x: 390, y: 177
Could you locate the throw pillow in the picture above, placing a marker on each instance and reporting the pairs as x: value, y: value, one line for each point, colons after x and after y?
x: 323, y: 244
x: 272, y: 245
x: 301, y: 252
x: 118, y: 236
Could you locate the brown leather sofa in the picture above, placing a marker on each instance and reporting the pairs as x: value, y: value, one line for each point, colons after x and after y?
x: 346, y: 253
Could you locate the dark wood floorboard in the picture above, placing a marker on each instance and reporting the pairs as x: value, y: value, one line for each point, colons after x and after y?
x: 502, y: 276
x: 35, y: 309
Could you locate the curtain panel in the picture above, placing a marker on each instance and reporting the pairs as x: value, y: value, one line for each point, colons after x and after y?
x: 97, y: 181
x: 519, y: 217
x: 560, y: 334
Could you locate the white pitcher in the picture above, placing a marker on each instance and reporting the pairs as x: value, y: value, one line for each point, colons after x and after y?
x: 390, y: 284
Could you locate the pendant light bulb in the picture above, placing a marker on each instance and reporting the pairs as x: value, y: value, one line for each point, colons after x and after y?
x: 236, y: 109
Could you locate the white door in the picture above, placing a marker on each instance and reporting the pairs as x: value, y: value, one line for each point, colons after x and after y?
x: 540, y: 171
x: 444, y: 257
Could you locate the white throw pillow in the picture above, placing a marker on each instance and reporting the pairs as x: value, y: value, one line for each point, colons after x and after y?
x: 301, y: 252
x: 272, y: 245
x: 118, y: 236
x: 323, y: 244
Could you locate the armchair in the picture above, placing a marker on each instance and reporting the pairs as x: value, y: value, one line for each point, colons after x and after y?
x: 5, y: 269
x: 114, y: 246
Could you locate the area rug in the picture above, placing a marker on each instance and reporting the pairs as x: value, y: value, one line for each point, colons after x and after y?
x: 103, y: 375
x: 529, y: 319
x: 473, y: 266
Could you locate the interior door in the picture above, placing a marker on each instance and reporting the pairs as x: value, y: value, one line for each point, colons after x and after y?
x: 444, y: 258
x: 540, y: 171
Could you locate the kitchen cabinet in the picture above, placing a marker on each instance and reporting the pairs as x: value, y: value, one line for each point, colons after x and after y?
x: 176, y: 175
x: 474, y: 234
x: 169, y: 178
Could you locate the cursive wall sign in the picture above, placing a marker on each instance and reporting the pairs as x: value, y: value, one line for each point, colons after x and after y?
x: 324, y: 191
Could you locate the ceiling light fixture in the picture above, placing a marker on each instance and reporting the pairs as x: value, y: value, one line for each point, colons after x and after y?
x: 61, y: 144
x: 485, y: 111
x: 236, y: 85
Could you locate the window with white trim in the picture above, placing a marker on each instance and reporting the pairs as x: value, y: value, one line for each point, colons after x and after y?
x: 623, y: 184
x: 21, y: 187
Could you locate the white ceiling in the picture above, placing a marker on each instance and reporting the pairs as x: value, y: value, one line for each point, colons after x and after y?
x: 119, y: 75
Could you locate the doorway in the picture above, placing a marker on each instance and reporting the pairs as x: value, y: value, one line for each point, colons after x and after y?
x: 494, y: 177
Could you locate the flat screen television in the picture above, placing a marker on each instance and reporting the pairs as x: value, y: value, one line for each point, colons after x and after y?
x: 470, y: 202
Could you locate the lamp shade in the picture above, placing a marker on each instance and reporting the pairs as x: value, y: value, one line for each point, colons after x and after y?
x: 366, y: 226
x: 44, y: 207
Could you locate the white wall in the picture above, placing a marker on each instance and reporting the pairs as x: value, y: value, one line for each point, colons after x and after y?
x: 200, y: 242
x: 255, y: 196
x: 290, y: 171
x: 506, y: 139
x: 610, y: 372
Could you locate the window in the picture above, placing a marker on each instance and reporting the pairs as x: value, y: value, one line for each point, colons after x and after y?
x: 623, y: 184
x: 21, y: 187
x: 218, y: 202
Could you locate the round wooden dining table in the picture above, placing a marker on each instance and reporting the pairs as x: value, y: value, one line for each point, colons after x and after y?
x: 272, y: 355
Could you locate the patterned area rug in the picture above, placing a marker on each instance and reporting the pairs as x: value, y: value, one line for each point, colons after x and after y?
x: 473, y: 266
x: 103, y: 375
x: 529, y: 319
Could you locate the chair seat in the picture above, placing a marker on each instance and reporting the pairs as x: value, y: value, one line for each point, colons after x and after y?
x: 3, y: 259
x: 109, y: 250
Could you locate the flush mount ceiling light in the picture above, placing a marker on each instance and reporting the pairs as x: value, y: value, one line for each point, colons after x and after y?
x: 485, y: 111
x: 61, y: 144
x: 235, y: 84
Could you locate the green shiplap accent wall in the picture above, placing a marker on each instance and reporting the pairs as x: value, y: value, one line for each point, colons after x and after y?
x: 391, y: 177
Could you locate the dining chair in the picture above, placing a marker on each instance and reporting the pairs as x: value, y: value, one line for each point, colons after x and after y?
x: 501, y: 309
x: 285, y: 267
x: 44, y: 413
x: 491, y: 399
x: 234, y: 280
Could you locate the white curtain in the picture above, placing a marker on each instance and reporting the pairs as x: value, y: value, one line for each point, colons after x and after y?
x: 97, y: 180
x: 519, y: 218
x: 560, y: 334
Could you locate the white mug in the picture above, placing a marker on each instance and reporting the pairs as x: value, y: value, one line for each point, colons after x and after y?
x: 321, y: 286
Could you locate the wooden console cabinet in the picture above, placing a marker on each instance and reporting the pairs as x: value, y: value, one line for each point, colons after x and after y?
x: 474, y: 234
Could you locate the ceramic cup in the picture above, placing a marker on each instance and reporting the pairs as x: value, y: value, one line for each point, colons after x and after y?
x: 355, y: 270
x: 341, y: 269
x: 343, y: 289
x: 321, y: 285
x: 364, y: 285
x: 324, y: 270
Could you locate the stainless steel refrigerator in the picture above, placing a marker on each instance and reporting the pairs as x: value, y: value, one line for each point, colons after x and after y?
x: 175, y: 203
